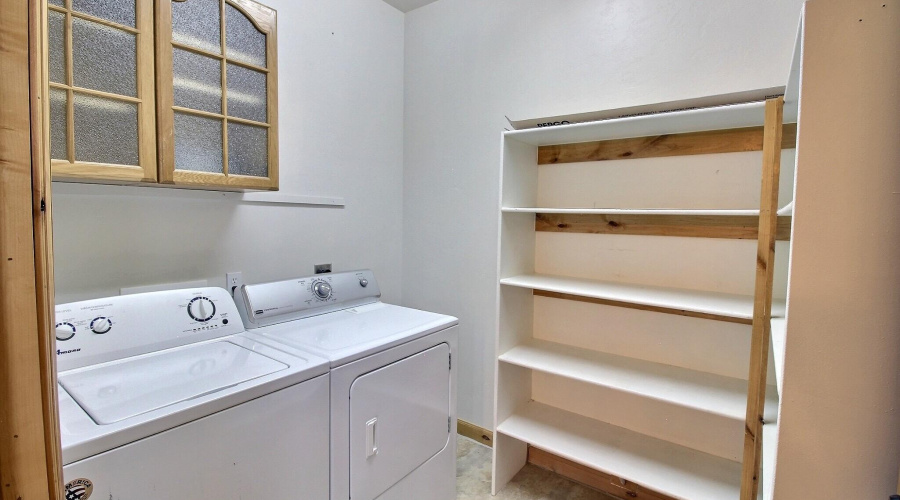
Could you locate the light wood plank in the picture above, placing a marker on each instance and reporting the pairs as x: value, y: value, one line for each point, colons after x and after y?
x: 29, y: 466
x: 220, y: 57
x: 694, y: 143
x: 262, y: 16
x: 231, y: 182
x: 762, y: 305
x: 146, y: 87
x: 267, y: 19
x: 165, y: 98
x: 42, y: 198
x: 607, y: 483
x: 706, y: 212
x: 474, y: 432
x: 696, y: 226
x: 224, y: 79
x: 97, y: 93
x: 219, y: 116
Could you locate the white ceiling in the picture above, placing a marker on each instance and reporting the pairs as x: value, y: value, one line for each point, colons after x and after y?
x: 408, y: 5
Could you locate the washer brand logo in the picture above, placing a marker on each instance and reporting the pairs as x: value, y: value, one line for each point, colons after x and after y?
x: 70, y: 351
x: 79, y: 489
x: 550, y: 124
x: 258, y: 312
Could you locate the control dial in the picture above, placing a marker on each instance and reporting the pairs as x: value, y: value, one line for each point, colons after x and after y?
x: 201, y: 309
x: 65, y: 331
x: 322, y: 290
x: 363, y: 282
x: 101, y: 325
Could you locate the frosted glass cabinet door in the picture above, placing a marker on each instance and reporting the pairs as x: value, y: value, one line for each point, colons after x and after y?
x: 100, y: 58
x: 217, y: 95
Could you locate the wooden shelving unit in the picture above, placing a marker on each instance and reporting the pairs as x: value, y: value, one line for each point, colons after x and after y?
x: 655, y: 420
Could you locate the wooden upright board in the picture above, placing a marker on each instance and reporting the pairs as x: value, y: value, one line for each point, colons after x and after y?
x: 30, y: 464
x: 762, y: 303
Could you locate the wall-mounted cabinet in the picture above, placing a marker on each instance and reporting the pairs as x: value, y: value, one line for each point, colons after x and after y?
x: 190, y: 100
x: 102, y: 98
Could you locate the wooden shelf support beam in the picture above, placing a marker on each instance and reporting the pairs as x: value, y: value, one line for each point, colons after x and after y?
x: 741, y: 227
x: 762, y: 303
x: 660, y: 146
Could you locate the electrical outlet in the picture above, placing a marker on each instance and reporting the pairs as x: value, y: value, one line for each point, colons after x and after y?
x: 322, y: 268
x: 233, y: 281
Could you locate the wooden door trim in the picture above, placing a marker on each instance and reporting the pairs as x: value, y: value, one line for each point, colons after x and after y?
x: 30, y: 457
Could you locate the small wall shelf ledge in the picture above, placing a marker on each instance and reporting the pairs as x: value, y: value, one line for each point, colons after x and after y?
x: 170, y: 192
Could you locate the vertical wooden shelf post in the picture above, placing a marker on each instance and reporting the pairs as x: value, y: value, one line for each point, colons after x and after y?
x: 762, y: 301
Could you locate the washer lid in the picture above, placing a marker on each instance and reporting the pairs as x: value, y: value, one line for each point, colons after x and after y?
x: 350, y: 334
x: 113, y: 392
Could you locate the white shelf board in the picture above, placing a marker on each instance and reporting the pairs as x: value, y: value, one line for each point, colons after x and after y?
x: 167, y: 191
x: 692, y: 120
x: 787, y: 209
x: 778, y: 331
x: 770, y: 447
x: 720, y: 304
x: 674, y: 470
x: 631, y: 211
x: 705, y: 392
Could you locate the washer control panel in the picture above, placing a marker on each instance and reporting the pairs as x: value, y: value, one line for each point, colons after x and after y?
x: 94, y: 331
x: 276, y: 302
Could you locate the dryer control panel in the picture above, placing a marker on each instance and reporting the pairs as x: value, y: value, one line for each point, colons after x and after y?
x: 95, y: 331
x: 279, y: 301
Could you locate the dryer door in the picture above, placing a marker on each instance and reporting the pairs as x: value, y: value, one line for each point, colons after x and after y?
x: 399, y: 418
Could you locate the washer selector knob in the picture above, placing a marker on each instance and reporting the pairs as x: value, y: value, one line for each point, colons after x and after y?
x: 363, y: 282
x: 201, y: 309
x: 101, y: 325
x: 65, y: 331
x: 322, y: 290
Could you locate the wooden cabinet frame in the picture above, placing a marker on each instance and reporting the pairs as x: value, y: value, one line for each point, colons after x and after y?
x: 264, y: 18
x: 146, y: 171
x: 30, y: 456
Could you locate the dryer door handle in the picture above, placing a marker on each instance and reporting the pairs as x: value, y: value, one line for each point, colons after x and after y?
x: 371, y: 446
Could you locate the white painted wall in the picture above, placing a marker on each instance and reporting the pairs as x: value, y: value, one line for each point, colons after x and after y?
x: 840, y: 413
x: 470, y: 62
x: 341, y: 132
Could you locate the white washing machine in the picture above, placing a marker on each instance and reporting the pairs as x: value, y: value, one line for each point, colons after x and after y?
x: 393, y: 381
x: 163, y: 395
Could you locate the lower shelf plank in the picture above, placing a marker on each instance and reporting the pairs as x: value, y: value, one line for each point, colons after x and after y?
x: 597, y: 480
x: 661, y: 466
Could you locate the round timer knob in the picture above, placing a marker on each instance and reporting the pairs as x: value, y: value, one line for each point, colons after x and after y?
x: 101, y: 325
x: 363, y: 282
x: 201, y: 309
x: 65, y: 331
x: 322, y: 290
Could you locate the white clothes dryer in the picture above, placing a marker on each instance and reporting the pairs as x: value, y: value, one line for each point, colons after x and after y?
x: 163, y: 395
x: 393, y: 381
